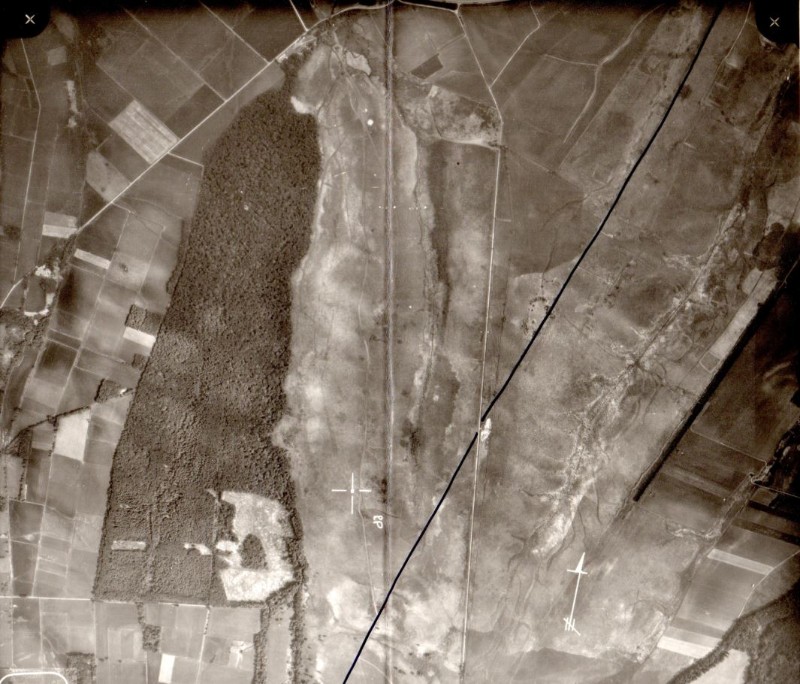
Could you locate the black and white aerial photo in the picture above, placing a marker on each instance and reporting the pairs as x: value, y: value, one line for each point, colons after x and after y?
x: 399, y: 342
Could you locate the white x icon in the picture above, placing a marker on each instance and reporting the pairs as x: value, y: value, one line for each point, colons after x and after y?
x: 29, y: 19
x: 774, y: 22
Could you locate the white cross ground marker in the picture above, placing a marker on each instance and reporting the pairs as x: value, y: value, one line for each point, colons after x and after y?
x: 569, y: 623
x: 353, y: 492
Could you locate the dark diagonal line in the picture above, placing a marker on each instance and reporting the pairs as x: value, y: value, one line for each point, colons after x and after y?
x: 611, y: 208
x: 414, y: 546
x: 535, y: 335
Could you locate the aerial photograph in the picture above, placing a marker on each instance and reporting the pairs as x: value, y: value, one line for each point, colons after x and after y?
x: 399, y: 342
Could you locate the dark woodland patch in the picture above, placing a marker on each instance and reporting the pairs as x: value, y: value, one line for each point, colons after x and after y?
x: 253, y: 555
x: 151, y: 638
x: 142, y: 319
x: 212, y: 391
x: 108, y: 389
x: 80, y: 668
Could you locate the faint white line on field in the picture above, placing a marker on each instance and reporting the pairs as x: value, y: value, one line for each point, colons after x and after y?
x: 480, y: 412
x: 377, y: 669
x: 54, y: 598
x: 369, y: 561
x: 299, y: 18
x: 203, y: 644
x: 177, y: 144
x: 498, y: 154
x: 34, y: 673
x: 733, y: 44
x: 361, y: 8
x: 230, y: 28
x: 608, y: 58
x: 480, y: 68
x: 118, y: 602
x: 214, y: 112
x: 763, y: 579
x: 237, y: 92
x: 519, y: 47
x: 570, y: 61
x: 188, y: 161
x: 33, y: 158
x: 94, y: 625
x: 158, y: 40
x: 390, y: 298
x: 14, y: 286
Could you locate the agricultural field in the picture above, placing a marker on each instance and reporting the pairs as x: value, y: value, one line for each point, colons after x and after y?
x: 400, y: 342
